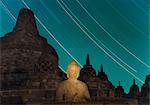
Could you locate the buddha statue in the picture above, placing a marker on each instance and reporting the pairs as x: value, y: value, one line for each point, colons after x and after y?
x: 72, y: 90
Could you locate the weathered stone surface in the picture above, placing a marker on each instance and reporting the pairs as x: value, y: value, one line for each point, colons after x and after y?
x: 144, y: 98
x: 13, y: 100
x: 99, y: 86
x: 27, y: 60
x: 72, y: 90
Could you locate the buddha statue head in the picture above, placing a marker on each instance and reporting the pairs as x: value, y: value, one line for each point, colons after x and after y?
x: 72, y: 70
x: 72, y: 90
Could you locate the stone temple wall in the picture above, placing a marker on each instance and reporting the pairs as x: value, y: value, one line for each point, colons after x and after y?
x: 28, y: 62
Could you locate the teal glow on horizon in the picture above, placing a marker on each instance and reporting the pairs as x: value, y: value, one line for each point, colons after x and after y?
x: 127, y: 21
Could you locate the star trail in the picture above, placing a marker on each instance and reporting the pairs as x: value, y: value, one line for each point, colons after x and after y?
x: 114, y: 33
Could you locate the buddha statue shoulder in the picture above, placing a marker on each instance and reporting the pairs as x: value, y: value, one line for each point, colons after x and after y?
x: 72, y: 90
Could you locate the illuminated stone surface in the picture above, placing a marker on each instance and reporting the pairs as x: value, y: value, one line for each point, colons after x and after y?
x: 72, y: 90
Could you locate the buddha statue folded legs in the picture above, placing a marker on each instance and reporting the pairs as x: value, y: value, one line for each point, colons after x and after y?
x: 72, y: 90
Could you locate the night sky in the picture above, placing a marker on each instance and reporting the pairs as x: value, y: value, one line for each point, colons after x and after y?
x: 115, y: 33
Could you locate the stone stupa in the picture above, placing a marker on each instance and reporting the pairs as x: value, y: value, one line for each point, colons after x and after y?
x: 27, y: 60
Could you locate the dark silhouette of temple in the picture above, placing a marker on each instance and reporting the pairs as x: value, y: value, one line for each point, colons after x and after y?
x: 100, y: 86
x: 30, y: 74
x: 28, y: 62
x: 119, y: 91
